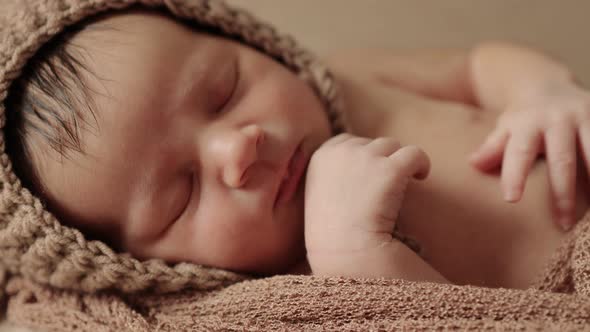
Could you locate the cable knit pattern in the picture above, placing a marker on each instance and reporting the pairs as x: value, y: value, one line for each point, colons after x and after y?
x: 54, y: 279
x: 303, y: 303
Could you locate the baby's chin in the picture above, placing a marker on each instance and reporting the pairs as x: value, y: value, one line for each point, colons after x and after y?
x: 280, y: 262
x: 290, y: 247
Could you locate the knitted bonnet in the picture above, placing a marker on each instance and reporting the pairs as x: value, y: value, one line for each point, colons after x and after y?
x: 33, y: 243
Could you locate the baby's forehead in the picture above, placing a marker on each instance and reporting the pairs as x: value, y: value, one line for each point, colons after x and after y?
x: 143, y: 34
x: 118, y: 28
x: 114, y: 26
x: 140, y: 64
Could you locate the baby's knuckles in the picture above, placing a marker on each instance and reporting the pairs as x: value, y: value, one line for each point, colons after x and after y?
x: 347, y: 192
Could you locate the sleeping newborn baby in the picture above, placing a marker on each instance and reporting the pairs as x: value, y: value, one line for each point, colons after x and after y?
x: 173, y: 143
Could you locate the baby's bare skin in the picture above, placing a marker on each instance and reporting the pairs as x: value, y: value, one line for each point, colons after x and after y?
x: 468, y: 232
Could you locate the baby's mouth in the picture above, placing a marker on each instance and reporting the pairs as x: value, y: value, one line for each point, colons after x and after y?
x: 292, y: 176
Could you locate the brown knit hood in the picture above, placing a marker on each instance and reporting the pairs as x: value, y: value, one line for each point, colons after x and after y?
x: 33, y: 243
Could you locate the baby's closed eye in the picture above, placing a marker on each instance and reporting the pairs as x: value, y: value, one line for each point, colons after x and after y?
x: 182, y: 198
x: 223, y: 87
x: 230, y: 88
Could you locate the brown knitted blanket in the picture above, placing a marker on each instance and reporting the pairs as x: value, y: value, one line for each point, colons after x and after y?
x: 560, y: 302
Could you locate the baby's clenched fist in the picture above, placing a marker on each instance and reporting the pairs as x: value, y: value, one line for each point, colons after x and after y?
x: 354, y: 190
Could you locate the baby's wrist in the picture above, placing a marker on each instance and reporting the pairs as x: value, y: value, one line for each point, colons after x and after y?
x: 543, y: 87
x: 343, y: 241
x: 354, y: 261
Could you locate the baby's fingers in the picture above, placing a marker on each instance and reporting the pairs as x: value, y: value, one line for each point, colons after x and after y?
x: 335, y: 140
x: 489, y: 154
x: 521, y: 152
x: 383, y: 146
x: 411, y: 161
x: 560, y: 147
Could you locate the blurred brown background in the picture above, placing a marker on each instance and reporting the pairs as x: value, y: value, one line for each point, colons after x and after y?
x: 556, y: 26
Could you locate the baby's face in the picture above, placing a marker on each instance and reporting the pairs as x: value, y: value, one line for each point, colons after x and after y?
x: 195, y: 135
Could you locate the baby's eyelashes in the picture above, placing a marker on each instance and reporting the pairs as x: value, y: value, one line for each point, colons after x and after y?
x: 183, y: 197
x: 229, y: 87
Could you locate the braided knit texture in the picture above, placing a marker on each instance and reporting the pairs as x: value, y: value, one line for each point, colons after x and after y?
x: 33, y: 243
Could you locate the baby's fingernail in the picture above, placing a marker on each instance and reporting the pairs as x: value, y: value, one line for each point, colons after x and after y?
x: 565, y: 223
x: 510, y: 195
x: 565, y: 209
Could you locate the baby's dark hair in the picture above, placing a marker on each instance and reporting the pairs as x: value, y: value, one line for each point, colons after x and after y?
x: 49, y: 105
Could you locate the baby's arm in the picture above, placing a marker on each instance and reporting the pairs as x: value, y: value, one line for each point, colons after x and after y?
x: 354, y: 189
x: 386, y: 257
x: 440, y: 74
x: 502, y: 73
x: 489, y: 75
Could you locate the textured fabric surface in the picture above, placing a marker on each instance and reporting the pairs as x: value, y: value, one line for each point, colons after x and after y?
x: 327, y: 304
x: 56, y: 280
x: 314, y: 303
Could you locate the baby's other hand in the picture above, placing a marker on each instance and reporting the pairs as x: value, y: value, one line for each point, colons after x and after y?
x: 554, y: 121
x: 354, y: 190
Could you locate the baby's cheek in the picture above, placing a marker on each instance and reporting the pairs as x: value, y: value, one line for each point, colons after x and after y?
x: 241, y: 242
x: 222, y: 229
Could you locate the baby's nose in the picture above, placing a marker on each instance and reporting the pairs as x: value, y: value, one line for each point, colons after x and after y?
x: 242, y: 152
